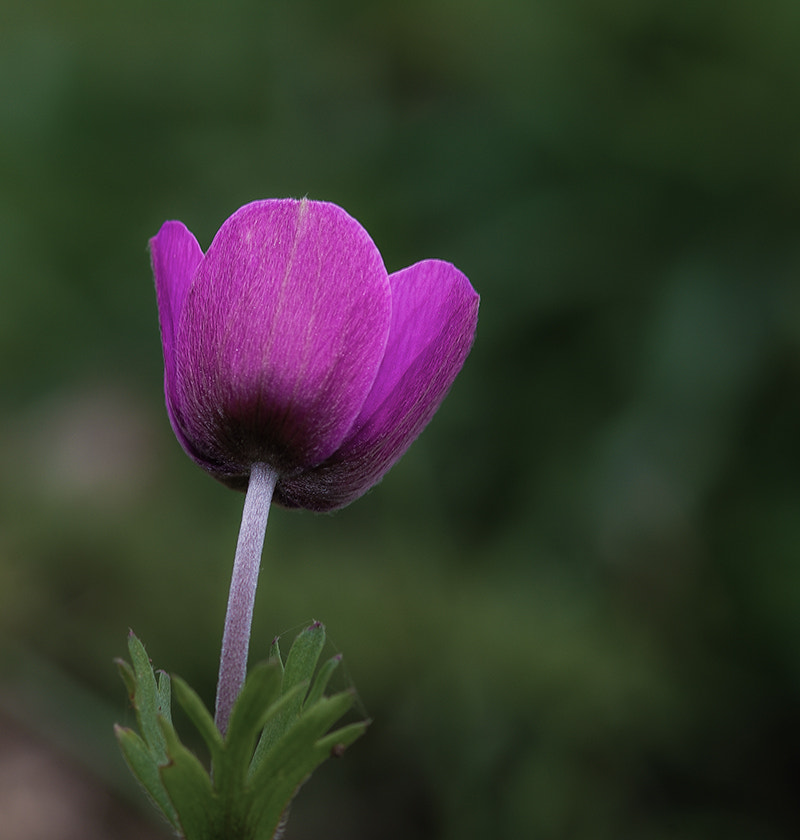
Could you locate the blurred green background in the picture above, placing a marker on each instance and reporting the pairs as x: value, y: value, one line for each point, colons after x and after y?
x: 573, y: 609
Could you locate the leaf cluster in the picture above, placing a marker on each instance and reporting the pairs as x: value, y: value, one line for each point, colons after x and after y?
x: 279, y: 733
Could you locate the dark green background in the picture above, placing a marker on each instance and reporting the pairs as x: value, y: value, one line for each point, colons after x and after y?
x: 573, y: 609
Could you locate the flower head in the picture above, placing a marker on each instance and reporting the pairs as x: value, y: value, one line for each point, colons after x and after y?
x: 288, y: 344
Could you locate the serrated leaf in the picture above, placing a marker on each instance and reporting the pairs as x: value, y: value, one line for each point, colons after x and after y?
x: 303, y: 656
x: 280, y: 717
x: 128, y: 676
x: 292, y: 761
x: 321, y: 682
x: 199, y: 715
x: 147, y: 702
x: 299, y: 670
x: 140, y: 760
x: 306, y: 731
x: 261, y: 689
x: 252, y: 709
x: 275, y: 652
x: 241, y: 802
x: 164, y: 694
x: 190, y: 791
x: 342, y: 738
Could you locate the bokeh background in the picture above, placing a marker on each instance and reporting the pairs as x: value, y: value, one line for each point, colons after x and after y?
x: 573, y: 609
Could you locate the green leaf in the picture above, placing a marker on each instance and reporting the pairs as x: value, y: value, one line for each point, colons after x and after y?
x: 199, y: 715
x: 299, y: 739
x: 252, y: 709
x: 336, y: 742
x: 299, y: 670
x: 140, y: 760
x: 281, y: 716
x: 164, y: 695
x: 303, y: 656
x: 190, y: 790
x: 147, y: 701
x: 322, y: 680
x: 315, y: 722
x: 252, y: 787
x: 299, y: 752
x: 128, y: 677
x: 275, y: 652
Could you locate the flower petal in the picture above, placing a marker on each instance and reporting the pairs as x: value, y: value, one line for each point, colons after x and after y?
x: 281, y: 337
x: 175, y: 255
x: 434, y: 317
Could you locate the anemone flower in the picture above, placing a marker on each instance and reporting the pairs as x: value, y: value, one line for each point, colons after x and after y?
x: 297, y: 369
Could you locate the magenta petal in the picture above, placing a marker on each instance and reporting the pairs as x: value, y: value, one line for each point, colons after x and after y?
x: 280, y: 338
x: 434, y: 317
x: 175, y: 255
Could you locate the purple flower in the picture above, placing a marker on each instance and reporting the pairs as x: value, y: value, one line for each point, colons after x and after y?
x: 288, y: 344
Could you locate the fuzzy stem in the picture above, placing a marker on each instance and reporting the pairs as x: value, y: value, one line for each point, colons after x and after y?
x: 236, y: 637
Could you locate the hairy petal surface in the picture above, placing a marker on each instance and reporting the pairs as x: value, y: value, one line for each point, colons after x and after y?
x: 280, y: 338
x: 434, y: 318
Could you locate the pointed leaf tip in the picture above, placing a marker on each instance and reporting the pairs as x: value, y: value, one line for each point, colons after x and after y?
x: 128, y: 677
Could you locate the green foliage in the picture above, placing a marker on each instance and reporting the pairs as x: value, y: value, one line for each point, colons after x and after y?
x: 245, y: 794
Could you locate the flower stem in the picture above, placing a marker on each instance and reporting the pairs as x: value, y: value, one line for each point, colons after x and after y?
x: 236, y: 637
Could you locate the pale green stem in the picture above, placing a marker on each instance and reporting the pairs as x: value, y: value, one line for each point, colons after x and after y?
x: 236, y: 637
